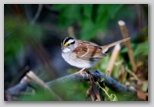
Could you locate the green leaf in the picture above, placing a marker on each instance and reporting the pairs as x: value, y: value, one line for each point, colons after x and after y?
x: 21, y: 28
x: 124, y: 50
x: 102, y: 8
x: 34, y: 31
x: 113, y: 9
x: 11, y: 48
x: 142, y: 49
x: 69, y: 13
x: 16, y: 34
x: 87, y: 10
x: 113, y: 97
x: 88, y: 30
x: 102, y: 17
x: 145, y: 86
x: 58, y: 7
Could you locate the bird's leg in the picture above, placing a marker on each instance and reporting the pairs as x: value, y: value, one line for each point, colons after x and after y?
x: 87, y: 73
x: 83, y: 70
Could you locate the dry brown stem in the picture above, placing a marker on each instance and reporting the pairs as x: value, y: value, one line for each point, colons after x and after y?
x: 113, y: 59
x: 128, y: 44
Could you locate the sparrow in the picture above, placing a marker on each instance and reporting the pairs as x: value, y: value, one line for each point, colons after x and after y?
x: 84, y: 54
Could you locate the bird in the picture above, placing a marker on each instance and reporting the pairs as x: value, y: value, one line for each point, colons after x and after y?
x: 84, y: 54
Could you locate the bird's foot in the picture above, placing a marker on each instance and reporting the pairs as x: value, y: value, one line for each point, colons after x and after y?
x: 82, y: 71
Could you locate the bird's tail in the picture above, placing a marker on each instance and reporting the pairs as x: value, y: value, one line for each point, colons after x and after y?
x: 106, y: 47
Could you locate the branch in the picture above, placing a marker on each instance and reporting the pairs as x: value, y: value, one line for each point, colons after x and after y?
x: 19, y: 76
x: 30, y: 80
x: 76, y: 77
x: 9, y: 94
x: 35, y: 81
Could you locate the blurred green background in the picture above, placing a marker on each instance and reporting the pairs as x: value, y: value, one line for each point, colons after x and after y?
x: 33, y: 35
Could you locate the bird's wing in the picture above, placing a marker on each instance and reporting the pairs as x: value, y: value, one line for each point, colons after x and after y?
x: 88, y: 51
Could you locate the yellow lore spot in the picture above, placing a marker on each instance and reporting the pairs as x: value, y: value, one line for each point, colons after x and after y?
x: 66, y: 44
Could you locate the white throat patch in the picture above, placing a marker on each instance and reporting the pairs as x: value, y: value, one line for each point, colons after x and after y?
x: 65, y: 50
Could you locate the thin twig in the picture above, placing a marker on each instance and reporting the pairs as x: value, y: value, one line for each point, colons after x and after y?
x: 128, y: 44
x: 40, y: 6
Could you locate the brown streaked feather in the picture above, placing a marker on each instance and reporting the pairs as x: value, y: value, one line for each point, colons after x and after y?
x: 95, y: 52
x: 88, y: 50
